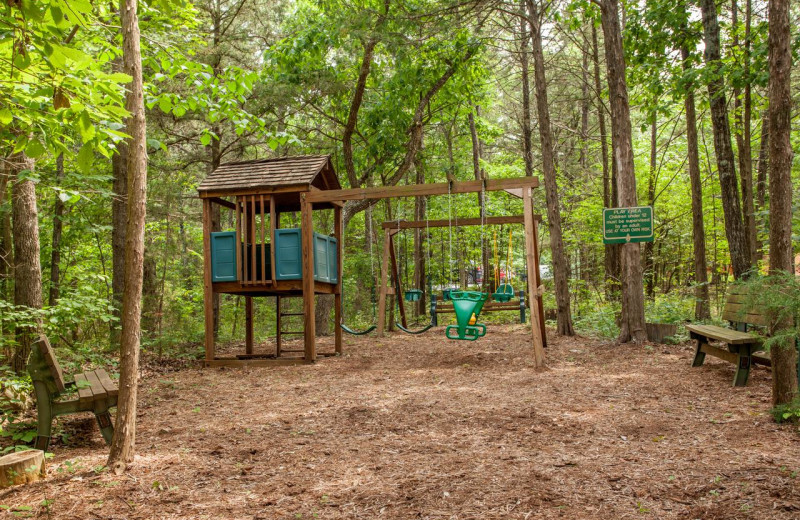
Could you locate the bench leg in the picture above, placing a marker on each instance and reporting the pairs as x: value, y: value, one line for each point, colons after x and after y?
x: 743, y: 367
x: 44, y: 416
x: 106, y: 425
x: 699, y: 355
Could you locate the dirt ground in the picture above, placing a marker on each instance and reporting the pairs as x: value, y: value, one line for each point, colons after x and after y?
x: 422, y: 427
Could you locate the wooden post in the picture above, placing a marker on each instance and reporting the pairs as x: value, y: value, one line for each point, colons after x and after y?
x: 338, y: 226
x: 278, y: 326
x: 539, y: 303
x: 239, y: 266
x: 248, y: 324
x: 533, y: 290
x: 384, y: 274
x: 273, y: 225
x: 208, y: 291
x: 307, y: 240
x: 264, y: 276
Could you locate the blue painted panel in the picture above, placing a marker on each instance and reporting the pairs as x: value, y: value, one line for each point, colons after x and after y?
x: 288, y: 254
x: 321, y: 258
x: 332, y: 255
x: 223, y: 256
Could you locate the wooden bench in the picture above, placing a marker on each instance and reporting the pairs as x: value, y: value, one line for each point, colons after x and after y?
x: 741, y: 344
x: 97, y: 393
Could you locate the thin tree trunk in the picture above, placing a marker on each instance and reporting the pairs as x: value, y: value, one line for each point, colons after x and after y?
x: 119, y: 219
x: 527, y: 147
x: 583, y: 158
x: 58, y: 226
x: 763, y: 169
x: 479, y: 174
x: 610, y: 251
x: 560, y: 263
x: 124, y: 441
x: 784, y: 357
x: 742, y: 115
x: 702, y: 310
x: 632, y: 326
x: 649, y: 266
x: 726, y: 169
x: 27, y: 266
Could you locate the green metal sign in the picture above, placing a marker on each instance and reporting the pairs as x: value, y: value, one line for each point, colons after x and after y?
x: 627, y: 225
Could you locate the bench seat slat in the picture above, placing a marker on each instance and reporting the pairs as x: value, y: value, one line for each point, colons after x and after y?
x: 98, y: 392
x: 84, y: 389
x: 108, y: 384
x: 732, y: 337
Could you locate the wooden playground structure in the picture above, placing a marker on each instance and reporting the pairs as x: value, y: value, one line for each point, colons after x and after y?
x: 262, y: 259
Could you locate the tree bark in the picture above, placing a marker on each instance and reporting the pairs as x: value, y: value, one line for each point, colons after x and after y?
x: 527, y: 145
x: 742, y: 116
x: 702, y: 310
x: 560, y: 263
x: 726, y: 169
x: 58, y: 226
x: 610, y: 251
x: 784, y: 357
x: 632, y: 325
x: 124, y: 441
x: 649, y: 265
x: 27, y: 266
x: 119, y: 219
x: 763, y: 169
x: 420, y: 237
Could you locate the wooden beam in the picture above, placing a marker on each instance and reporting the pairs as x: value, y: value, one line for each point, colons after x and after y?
x: 533, y: 289
x: 239, y: 266
x: 382, y: 283
x: 471, y: 221
x: 309, y: 304
x: 418, y: 190
x: 208, y: 291
x: 338, y: 227
x: 222, y: 202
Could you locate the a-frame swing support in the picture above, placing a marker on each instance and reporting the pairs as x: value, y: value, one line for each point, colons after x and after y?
x: 514, y: 186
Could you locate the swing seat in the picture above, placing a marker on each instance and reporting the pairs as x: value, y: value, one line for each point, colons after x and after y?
x: 413, y: 295
x: 504, y: 293
x: 466, y: 304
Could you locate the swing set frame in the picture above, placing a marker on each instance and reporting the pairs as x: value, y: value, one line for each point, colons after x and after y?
x: 520, y: 187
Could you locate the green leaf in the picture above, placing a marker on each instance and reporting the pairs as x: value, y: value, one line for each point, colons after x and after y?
x: 6, y: 116
x: 165, y: 104
x: 35, y: 149
x: 86, y: 158
x: 205, y: 139
x: 85, y: 127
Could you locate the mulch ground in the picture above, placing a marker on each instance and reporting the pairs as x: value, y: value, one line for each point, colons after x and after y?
x: 422, y: 427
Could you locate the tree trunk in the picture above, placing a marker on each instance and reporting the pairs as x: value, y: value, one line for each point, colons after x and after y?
x: 479, y: 174
x: 763, y: 169
x: 6, y: 240
x: 702, y: 310
x: 527, y: 147
x: 583, y: 157
x: 784, y: 357
x: 610, y: 251
x: 742, y: 116
x: 632, y: 327
x: 560, y: 263
x: 58, y: 226
x: 119, y: 219
x: 734, y: 226
x: 124, y: 441
x: 649, y: 265
x: 27, y: 266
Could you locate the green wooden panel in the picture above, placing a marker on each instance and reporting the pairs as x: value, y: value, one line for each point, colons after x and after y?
x: 223, y: 256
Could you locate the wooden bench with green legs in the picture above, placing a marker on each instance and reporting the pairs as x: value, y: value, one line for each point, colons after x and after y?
x: 97, y: 393
x: 741, y: 345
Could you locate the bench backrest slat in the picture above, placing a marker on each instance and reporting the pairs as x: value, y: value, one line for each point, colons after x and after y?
x: 737, y: 308
x: 46, y: 352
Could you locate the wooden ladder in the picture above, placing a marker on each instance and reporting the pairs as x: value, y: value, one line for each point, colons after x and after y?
x: 280, y: 314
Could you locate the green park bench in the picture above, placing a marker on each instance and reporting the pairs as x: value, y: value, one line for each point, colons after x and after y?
x: 741, y: 345
x: 96, y: 391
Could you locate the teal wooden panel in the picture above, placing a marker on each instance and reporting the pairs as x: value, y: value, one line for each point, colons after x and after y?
x: 223, y: 256
x: 332, y: 256
x: 321, y: 258
x: 288, y: 254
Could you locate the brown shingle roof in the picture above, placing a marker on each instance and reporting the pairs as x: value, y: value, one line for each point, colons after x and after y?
x: 262, y: 173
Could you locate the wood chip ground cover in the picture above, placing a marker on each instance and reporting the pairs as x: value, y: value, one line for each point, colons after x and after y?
x: 420, y: 427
